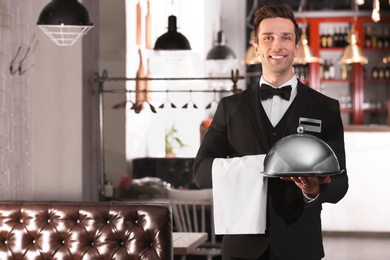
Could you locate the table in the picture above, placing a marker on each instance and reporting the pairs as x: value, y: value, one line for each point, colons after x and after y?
x: 183, y: 243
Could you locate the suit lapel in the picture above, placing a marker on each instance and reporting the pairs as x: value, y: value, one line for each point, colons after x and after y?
x: 258, y: 118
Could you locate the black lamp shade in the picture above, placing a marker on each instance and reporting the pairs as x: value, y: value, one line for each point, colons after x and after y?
x: 172, y: 40
x: 220, y: 51
x: 66, y: 12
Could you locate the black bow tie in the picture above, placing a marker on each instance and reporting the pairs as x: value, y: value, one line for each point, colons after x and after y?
x: 266, y: 91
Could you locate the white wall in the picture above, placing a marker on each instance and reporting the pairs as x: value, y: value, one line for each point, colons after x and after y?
x: 56, y: 112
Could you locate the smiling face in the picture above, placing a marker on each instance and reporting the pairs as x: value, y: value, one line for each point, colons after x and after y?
x: 276, y: 48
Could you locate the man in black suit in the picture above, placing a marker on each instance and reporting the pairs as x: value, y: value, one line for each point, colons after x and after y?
x: 249, y: 124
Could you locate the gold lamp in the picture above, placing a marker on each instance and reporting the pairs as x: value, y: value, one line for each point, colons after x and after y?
x: 352, y: 53
x: 250, y: 55
x: 306, y: 54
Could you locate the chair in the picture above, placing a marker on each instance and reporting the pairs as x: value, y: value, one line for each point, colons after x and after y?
x: 193, y: 212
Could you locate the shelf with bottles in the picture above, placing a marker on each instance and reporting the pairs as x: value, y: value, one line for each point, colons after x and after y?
x: 331, y: 71
x: 352, y: 82
x: 333, y: 35
x: 375, y: 96
x: 377, y: 36
x: 302, y: 72
x: 376, y: 70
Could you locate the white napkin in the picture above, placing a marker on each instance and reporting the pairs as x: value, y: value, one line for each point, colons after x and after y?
x: 239, y: 195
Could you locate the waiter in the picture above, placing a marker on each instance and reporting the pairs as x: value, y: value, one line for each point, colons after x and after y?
x: 269, y: 218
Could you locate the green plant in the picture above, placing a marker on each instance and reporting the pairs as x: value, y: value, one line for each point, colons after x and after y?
x: 172, y: 141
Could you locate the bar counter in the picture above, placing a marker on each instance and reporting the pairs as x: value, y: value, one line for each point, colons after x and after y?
x: 365, y: 207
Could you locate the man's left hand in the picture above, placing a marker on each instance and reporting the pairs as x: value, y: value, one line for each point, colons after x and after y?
x: 309, y: 185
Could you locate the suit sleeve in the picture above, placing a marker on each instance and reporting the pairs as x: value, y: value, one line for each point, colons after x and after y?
x: 334, y: 137
x: 214, y: 145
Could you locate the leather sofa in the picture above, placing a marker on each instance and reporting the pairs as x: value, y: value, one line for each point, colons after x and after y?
x: 85, y: 230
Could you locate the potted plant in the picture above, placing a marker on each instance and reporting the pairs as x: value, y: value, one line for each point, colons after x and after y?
x: 172, y: 141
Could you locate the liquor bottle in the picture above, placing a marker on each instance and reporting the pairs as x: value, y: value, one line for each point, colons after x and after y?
x: 375, y: 72
x: 387, y: 71
x: 302, y: 72
x: 297, y: 70
x: 379, y: 40
x: 367, y: 38
x: 326, y: 69
x: 344, y: 71
x: 306, y: 71
x: 364, y: 72
x: 330, y: 38
x: 346, y: 36
x: 381, y: 72
x: 323, y: 39
x: 336, y: 39
x: 341, y: 37
x: 332, y: 70
x: 374, y: 42
x: 386, y: 39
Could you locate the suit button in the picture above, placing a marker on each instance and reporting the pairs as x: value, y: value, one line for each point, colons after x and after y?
x: 274, y: 134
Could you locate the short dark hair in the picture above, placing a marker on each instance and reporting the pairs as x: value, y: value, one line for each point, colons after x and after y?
x: 274, y: 11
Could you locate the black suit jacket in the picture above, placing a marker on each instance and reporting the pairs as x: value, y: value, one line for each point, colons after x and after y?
x: 238, y: 129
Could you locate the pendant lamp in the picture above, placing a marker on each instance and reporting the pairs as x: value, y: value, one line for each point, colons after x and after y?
x: 352, y: 53
x: 172, y: 39
x: 220, y: 51
x: 64, y: 21
x: 306, y: 54
x: 250, y: 56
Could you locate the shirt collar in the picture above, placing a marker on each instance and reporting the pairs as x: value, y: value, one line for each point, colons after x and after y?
x: 293, y: 82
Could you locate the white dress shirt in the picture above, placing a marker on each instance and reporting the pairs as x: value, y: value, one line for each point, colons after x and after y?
x: 276, y: 107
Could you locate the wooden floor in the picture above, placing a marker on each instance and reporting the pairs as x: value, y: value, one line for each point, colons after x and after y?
x: 357, y: 246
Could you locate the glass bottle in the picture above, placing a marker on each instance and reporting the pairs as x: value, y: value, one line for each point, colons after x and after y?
x: 374, y: 39
x: 332, y: 70
x: 375, y: 72
x: 367, y: 37
x: 330, y: 38
x: 323, y: 39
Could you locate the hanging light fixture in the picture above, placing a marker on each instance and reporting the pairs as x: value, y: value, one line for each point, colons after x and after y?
x: 360, y: 2
x: 172, y: 39
x: 305, y: 54
x: 64, y: 21
x: 250, y: 56
x: 375, y: 11
x: 220, y: 51
x: 352, y: 53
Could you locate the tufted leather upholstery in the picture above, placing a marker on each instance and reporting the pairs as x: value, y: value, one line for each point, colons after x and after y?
x: 86, y: 230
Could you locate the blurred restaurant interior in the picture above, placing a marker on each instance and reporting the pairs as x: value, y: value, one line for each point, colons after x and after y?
x: 126, y: 100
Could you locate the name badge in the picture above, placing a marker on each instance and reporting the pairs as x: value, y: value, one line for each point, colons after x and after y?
x: 310, y: 124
